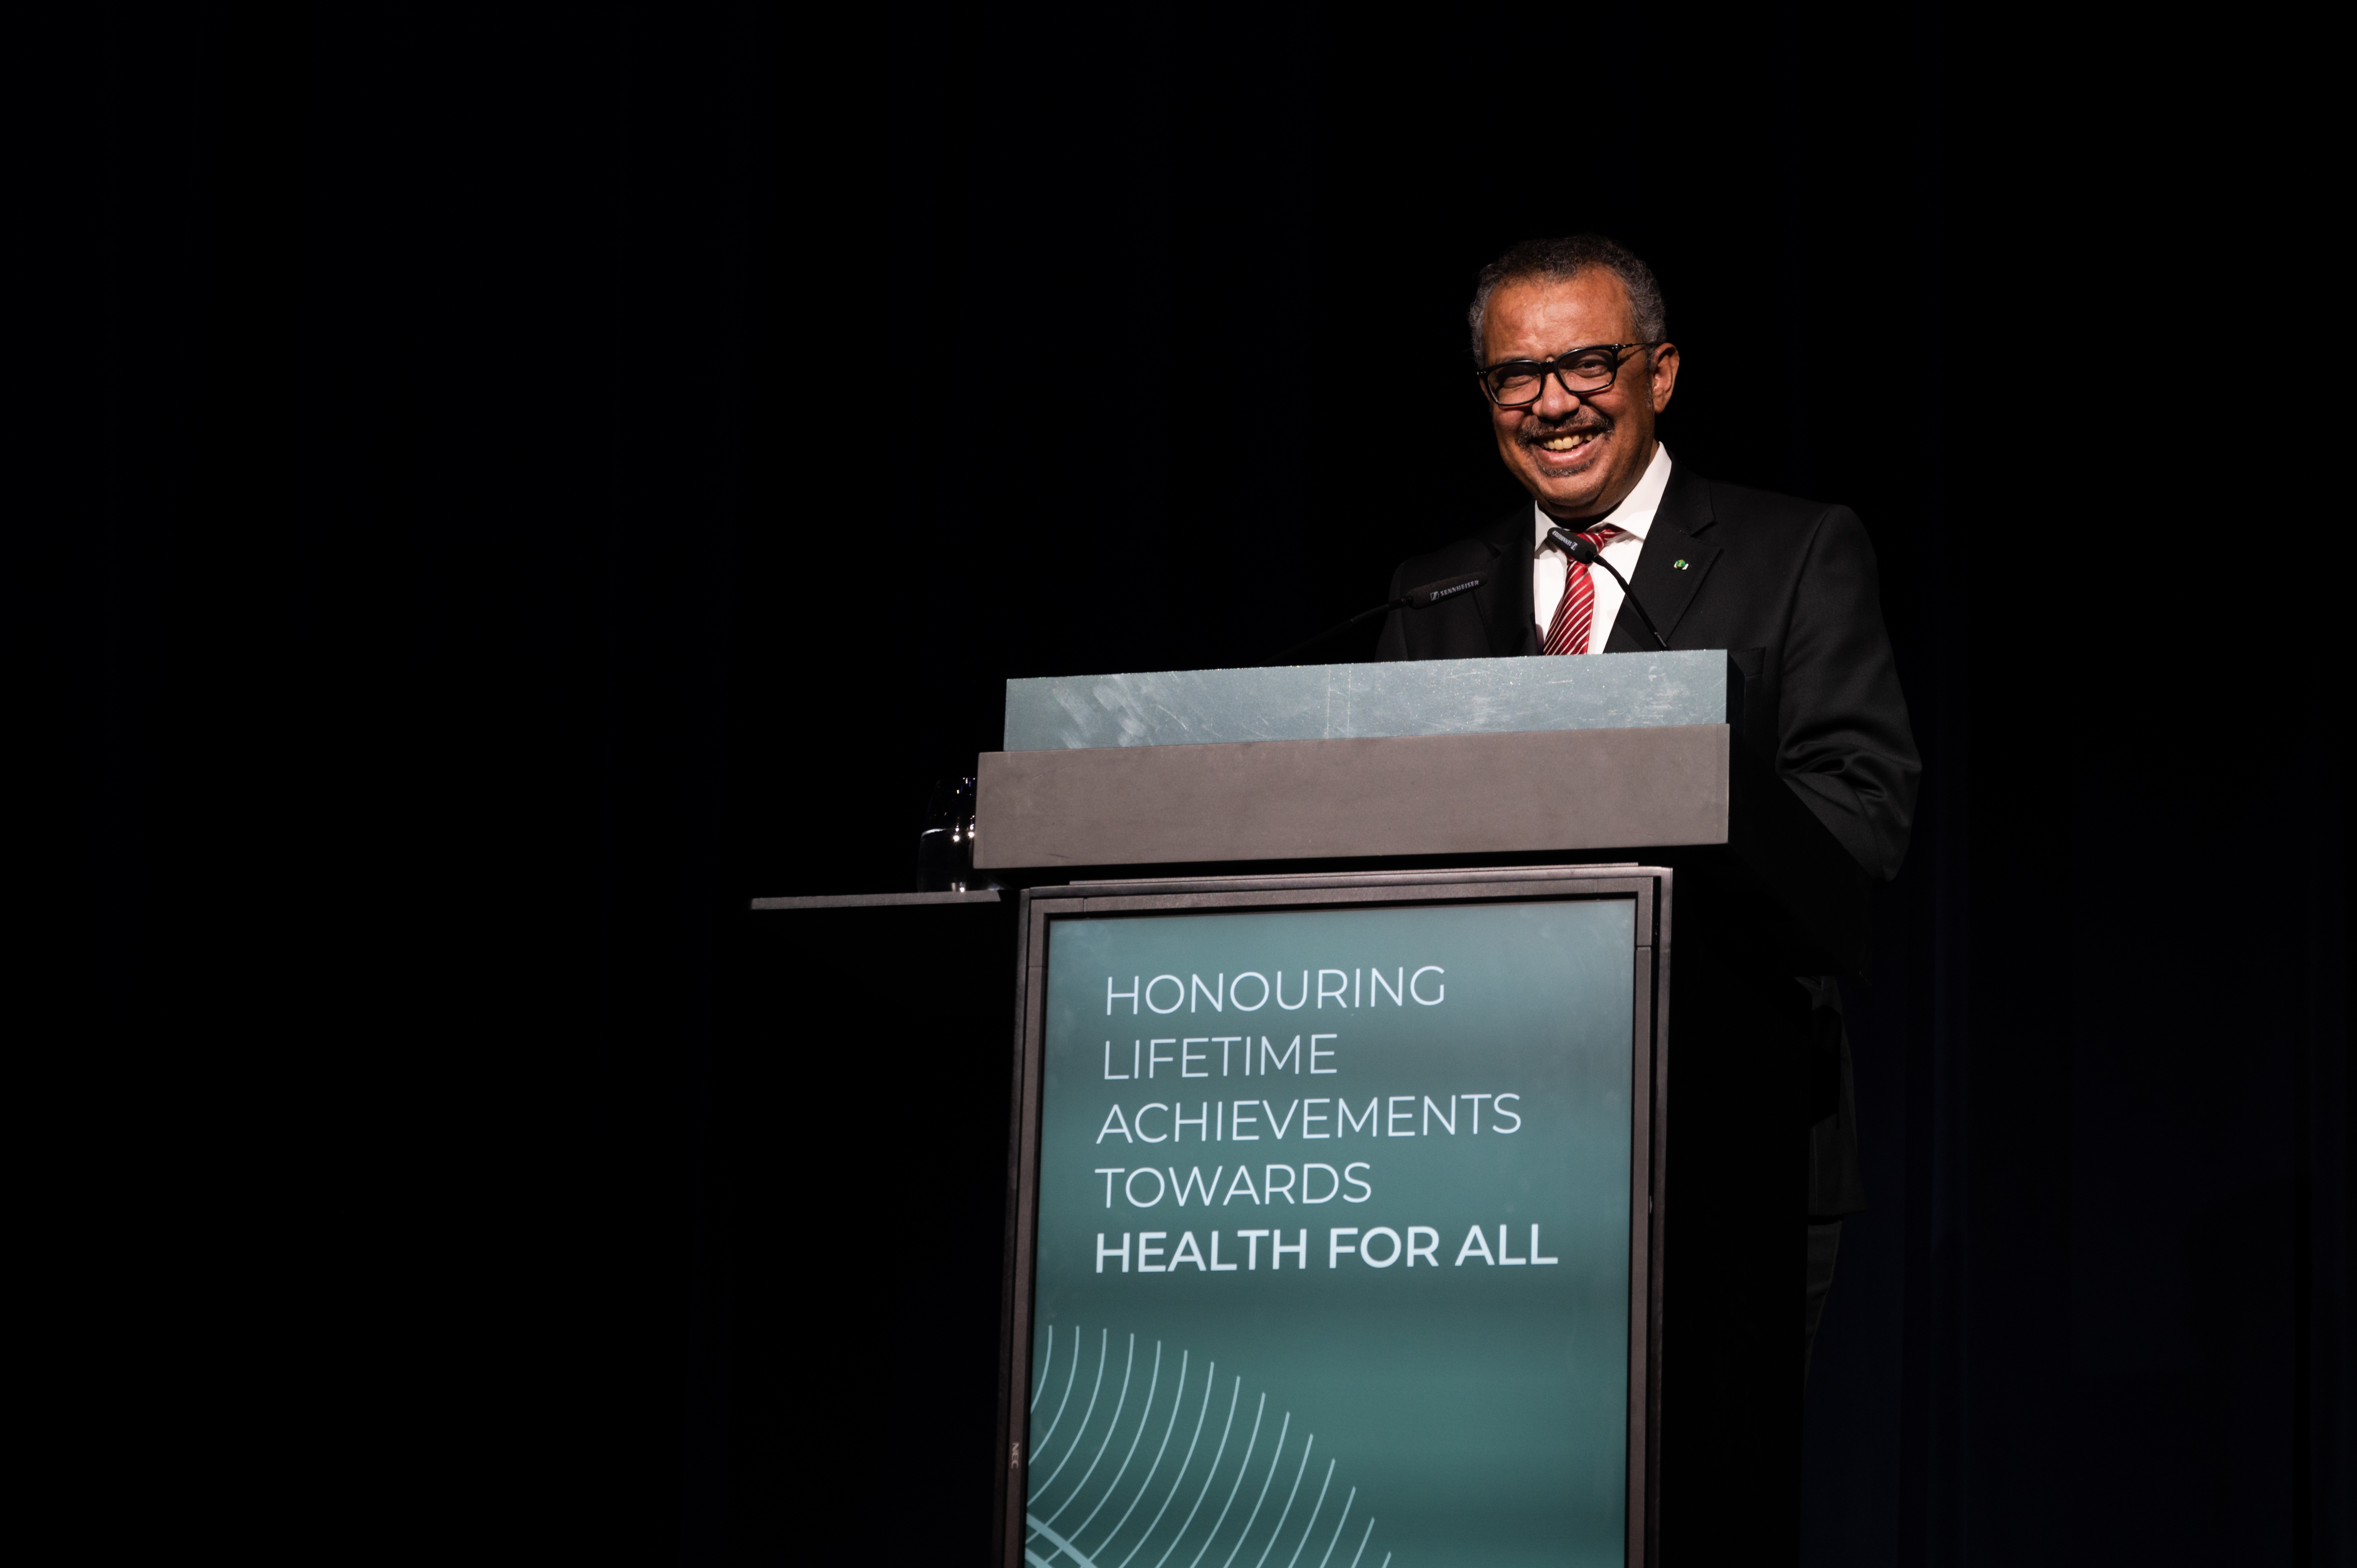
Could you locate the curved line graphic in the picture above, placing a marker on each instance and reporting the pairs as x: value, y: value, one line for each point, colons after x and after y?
x: 1060, y: 1546
x: 1338, y: 1528
x: 1096, y: 1387
x: 1313, y: 1512
x: 1286, y: 1513
x: 1083, y: 1431
x: 1244, y: 1469
x: 1114, y: 1486
x: 1063, y: 1548
x: 1181, y: 1475
x: 1276, y: 1454
x: 1209, y: 1475
x: 1144, y: 1413
x: 1067, y: 1399
x: 1177, y: 1401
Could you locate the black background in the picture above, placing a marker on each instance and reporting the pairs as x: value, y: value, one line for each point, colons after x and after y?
x: 498, y: 490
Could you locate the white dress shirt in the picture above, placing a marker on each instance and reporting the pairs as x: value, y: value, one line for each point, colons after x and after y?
x: 1633, y: 516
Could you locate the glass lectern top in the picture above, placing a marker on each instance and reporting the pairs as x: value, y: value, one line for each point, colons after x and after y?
x: 1326, y: 702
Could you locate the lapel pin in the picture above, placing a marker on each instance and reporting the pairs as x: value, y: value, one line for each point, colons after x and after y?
x: 1679, y: 564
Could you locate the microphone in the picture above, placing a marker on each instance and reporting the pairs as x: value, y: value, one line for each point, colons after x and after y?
x: 1587, y: 554
x: 1415, y: 598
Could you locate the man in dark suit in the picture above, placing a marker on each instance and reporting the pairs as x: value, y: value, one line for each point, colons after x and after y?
x: 1574, y: 356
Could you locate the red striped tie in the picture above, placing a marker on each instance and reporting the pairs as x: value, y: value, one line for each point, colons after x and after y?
x: 1576, y: 611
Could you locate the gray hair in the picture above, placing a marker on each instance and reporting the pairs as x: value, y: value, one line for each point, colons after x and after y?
x: 1559, y: 261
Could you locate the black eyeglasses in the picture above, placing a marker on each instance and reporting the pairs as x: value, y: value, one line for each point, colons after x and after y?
x: 1518, y: 383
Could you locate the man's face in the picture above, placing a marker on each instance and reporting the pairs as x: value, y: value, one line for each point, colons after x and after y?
x: 1579, y: 456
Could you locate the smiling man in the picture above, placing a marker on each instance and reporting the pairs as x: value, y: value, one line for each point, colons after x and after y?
x: 1574, y: 362
x: 1575, y: 365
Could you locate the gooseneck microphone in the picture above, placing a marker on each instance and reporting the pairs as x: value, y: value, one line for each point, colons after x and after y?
x: 1415, y: 598
x: 1587, y: 554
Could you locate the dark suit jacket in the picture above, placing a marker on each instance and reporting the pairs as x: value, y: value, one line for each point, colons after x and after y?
x: 1733, y: 569
x: 1740, y: 569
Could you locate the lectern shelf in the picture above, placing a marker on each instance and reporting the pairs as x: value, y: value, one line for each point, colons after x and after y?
x: 1457, y: 762
x: 1339, y: 701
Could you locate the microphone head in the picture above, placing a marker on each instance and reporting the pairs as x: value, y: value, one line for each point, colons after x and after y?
x: 1573, y: 546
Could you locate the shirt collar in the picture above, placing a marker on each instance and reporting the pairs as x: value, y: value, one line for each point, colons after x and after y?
x: 1633, y: 516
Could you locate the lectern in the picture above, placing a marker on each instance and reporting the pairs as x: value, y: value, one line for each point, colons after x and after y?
x: 1406, y: 1157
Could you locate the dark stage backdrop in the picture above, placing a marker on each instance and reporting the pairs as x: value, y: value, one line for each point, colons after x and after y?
x: 527, y: 480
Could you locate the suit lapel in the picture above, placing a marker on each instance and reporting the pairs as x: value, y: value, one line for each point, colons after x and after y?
x: 1666, y: 587
x: 1675, y: 561
x: 1505, y: 595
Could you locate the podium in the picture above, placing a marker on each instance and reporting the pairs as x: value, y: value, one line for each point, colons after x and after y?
x: 1463, y: 763
x: 1491, y: 964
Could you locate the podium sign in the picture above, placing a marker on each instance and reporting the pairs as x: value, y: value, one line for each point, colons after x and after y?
x: 1333, y: 1224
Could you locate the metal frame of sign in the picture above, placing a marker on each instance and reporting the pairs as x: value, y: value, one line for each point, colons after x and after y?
x: 1648, y: 886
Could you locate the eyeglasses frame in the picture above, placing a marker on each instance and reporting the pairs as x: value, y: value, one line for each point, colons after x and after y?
x: 1550, y: 367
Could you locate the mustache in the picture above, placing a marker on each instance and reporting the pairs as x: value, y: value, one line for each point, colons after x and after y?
x: 1535, y: 432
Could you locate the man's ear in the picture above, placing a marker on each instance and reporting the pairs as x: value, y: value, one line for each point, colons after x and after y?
x: 1665, y: 375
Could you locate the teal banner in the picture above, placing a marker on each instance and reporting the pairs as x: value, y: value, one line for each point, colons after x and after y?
x: 1332, y: 1249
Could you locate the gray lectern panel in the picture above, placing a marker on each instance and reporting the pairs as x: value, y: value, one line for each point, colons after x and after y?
x: 1339, y: 701
x: 1370, y: 798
